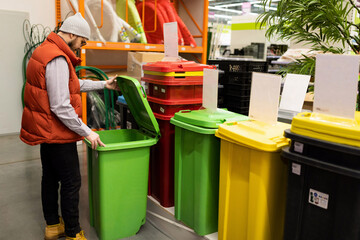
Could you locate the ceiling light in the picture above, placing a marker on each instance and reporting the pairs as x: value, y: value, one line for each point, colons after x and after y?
x: 225, y: 10
x: 266, y: 7
x: 222, y: 16
x: 235, y: 4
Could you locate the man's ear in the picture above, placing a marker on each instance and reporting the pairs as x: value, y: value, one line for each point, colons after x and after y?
x: 72, y: 36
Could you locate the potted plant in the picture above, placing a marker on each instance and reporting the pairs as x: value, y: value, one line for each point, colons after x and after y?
x: 317, y: 23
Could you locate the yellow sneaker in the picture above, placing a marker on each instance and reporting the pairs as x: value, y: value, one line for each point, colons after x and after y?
x: 56, y: 231
x: 79, y: 236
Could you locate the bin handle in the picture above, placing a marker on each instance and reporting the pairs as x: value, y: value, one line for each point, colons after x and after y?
x: 143, y: 91
x: 185, y: 111
x: 223, y: 120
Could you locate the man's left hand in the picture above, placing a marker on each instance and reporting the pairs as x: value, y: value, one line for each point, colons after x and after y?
x: 112, y: 84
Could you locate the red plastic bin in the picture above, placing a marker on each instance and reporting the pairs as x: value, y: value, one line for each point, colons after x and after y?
x: 177, y: 67
x: 173, y: 80
x: 161, y: 171
x: 170, y: 107
x: 157, y: 89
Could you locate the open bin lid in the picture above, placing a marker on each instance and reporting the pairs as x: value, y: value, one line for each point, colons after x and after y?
x: 255, y: 134
x: 208, y: 119
x: 179, y: 66
x: 328, y: 128
x: 136, y: 100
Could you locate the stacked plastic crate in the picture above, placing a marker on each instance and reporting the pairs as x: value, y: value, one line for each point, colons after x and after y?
x: 171, y: 87
x: 237, y: 83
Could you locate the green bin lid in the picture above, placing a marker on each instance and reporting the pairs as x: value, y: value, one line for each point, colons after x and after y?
x: 208, y: 119
x: 136, y: 99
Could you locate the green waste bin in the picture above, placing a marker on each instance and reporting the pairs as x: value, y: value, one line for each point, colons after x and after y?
x: 197, y: 157
x: 118, y: 173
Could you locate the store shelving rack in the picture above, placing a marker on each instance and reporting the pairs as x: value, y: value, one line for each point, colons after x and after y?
x: 120, y: 46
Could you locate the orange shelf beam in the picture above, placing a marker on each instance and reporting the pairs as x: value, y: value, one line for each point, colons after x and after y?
x: 137, y: 47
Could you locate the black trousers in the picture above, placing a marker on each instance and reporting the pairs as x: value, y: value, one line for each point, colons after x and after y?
x: 60, y: 164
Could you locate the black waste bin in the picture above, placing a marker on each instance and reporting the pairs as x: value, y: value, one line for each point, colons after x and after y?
x: 323, y: 193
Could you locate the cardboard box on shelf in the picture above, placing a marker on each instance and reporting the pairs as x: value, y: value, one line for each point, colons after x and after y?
x: 137, y: 59
x: 309, y: 101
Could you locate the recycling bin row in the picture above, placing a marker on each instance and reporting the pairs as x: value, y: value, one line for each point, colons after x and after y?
x: 243, y: 178
x: 267, y: 185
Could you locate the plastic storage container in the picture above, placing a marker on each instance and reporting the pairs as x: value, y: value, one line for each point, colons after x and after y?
x: 162, y: 163
x: 252, y: 181
x: 170, y: 107
x: 324, y: 178
x: 197, y: 159
x: 176, y: 89
x: 118, y: 173
x: 180, y: 68
x: 127, y: 120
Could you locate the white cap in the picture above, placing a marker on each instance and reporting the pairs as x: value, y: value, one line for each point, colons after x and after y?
x: 77, y: 25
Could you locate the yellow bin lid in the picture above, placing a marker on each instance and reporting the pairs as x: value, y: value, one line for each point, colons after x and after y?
x: 255, y: 134
x: 328, y: 128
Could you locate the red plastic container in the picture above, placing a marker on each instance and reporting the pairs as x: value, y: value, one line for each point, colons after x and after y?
x: 177, y: 67
x: 181, y: 90
x: 172, y: 80
x: 170, y: 107
x: 161, y: 171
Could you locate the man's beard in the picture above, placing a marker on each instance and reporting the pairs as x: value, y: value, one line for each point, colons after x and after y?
x: 71, y: 45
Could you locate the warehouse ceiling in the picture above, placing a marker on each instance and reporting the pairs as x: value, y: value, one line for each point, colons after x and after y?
x: 220, y: 9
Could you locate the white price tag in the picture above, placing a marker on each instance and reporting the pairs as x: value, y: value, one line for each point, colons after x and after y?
x: 298, y: 147
x: 99, y: 44
x: 162, y: 110
x: 296, y: 168
x: 127, y: 46
x: 163, y: 90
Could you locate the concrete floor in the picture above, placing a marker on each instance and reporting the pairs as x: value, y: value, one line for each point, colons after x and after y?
x: 20, y: 204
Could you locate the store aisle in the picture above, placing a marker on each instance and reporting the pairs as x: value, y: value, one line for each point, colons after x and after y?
x: 20, y: 206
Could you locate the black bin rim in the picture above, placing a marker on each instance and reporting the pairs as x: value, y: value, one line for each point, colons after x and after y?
x: 322, y: 143
x: 286, y: 154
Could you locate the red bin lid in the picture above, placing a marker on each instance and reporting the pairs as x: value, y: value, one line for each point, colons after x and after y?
x: 180, y: 66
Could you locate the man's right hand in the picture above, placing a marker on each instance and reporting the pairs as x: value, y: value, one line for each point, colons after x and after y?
x: 94, y: 138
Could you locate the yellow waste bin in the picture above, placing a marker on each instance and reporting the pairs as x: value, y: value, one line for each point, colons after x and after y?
x: 253, y: 181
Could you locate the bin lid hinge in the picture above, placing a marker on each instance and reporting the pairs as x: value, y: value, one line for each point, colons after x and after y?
x: 149, y: 133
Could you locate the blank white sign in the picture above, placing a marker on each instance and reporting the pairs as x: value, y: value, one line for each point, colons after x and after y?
x: 171, y: 49
x: 264, y: 97
x: 336, y: 79
x: 210, y: 89
x: 294, y: 91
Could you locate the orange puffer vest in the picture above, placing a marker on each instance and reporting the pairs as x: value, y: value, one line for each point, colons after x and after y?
x: 39, y: 124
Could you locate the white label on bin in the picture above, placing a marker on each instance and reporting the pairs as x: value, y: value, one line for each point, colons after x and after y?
x: 318, y: 198
x: 298, y: 147
x: 296, y: 168
x: 156, y: 88
x: 163, y: 90
x: 162, y: 110
x: 128, y: 125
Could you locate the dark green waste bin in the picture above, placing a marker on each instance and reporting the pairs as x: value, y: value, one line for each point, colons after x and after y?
x: 197, y: 159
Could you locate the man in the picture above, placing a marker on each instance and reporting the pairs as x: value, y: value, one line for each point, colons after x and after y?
x: 51, y: 118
